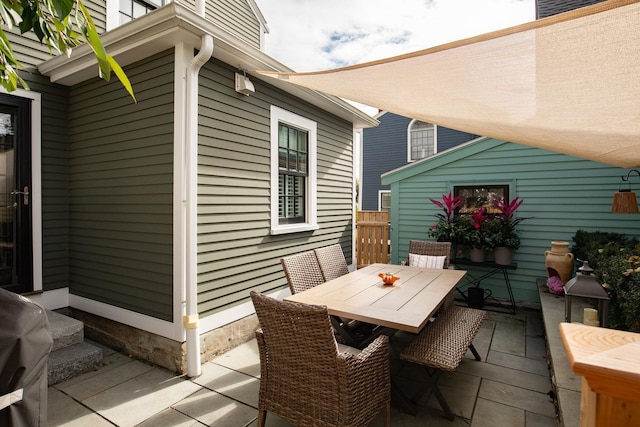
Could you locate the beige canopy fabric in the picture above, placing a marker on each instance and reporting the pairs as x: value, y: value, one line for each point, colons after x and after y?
x: 569, y: 83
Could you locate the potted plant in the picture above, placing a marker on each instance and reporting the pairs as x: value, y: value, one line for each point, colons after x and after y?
x: 478, y: 235
x: 450, y: 226
x: 504, y: 236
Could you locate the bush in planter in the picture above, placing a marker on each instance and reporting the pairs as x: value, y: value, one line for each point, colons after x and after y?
x: 503, y: 231
x: 450, y: 227
x: 478, y: 233
x: 615, y: 259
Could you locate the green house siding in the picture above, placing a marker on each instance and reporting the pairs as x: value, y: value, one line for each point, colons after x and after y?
x: 236, y: 252
x: 54, y: 180
x: 121, y: 189
x: 233, y: 16
x: 561, y: 194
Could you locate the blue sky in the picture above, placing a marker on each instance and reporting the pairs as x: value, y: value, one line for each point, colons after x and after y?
x: 311, y: 35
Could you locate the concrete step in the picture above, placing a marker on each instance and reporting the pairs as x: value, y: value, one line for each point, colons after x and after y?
x: 68, y: 362
x: 70, y: 355
x: 66, y: 330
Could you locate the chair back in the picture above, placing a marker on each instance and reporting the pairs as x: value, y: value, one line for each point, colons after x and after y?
x: 431, y: 248
x: 332, y: 262
x: 302, y: 271
x: 299, y: 359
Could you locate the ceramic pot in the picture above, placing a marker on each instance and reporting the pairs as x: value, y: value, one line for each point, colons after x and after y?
x: 502, y: 255
x: 477, y: 255
x: 559, y: 261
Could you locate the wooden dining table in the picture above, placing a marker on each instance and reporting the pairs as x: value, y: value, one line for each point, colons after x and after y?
x: 407, y: 305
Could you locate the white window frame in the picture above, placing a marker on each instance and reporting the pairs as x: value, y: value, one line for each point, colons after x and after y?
x: 380, y: 194
x: 435, y: 139
x: 113, y: 13
x: 280, y: 115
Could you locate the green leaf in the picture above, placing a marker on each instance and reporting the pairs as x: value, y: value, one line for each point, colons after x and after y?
x: 63, y: 8
x: 119, y: 72
x: 94, y: 41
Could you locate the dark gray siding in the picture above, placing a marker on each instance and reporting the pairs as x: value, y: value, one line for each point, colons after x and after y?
x: 234, y: 16
x: 236, y: 252
x: 121, y: 189
x: 54, y: 165
x: 385, y: 149
x: 545, y: 8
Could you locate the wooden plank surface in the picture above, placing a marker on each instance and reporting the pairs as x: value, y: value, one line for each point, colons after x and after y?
x: 406, y: 305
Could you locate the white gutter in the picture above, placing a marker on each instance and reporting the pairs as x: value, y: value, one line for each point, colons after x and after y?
x: 190, y: 320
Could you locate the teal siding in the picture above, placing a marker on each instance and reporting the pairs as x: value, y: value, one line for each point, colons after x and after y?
x: 121, y: 189
x: 236, y: 252
x: 561, y: 195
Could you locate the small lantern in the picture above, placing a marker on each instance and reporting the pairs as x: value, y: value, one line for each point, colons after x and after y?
x: 585, y: 285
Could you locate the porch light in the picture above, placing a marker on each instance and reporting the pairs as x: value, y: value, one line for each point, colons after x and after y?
x: 585, y: 285
x: 244, y: 85
x: 624, y: 201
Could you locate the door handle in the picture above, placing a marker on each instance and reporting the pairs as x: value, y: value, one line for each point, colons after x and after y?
x: 25, y: 194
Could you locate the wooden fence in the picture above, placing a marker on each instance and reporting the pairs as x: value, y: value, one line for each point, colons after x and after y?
x: 372, y: 241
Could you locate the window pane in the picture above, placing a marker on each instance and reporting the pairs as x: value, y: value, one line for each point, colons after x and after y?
x: 283, y: 132
x: 422, y: 140
x: 138, y: 10
x: 293, y: 164
x: 476, y: 197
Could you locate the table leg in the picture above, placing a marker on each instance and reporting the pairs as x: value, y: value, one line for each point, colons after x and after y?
x: 400, y: 400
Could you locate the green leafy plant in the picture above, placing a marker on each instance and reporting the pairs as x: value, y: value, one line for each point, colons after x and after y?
x: 53, y: 22
x: 615, y: 259
x: 450, y: 227
x: 502, y: 227
x: 478, y: 234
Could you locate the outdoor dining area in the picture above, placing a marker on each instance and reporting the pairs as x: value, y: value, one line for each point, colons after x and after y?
x: 326, y: 351
x: 345, y: 348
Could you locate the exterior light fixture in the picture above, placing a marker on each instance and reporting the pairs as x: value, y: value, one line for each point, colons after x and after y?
x: 244, y: 85
x: 624, y: 201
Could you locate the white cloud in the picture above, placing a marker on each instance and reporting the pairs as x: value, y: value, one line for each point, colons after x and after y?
x: 310, y: 35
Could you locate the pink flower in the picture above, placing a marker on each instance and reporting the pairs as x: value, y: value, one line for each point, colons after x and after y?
x: 555, y: 285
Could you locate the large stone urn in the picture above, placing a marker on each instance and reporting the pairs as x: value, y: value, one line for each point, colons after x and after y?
x: 559, y: 261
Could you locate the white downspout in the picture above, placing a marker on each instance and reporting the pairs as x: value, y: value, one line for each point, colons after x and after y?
x: 191, y: 322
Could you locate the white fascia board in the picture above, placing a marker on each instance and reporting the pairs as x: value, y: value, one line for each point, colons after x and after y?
x: 172, y: 24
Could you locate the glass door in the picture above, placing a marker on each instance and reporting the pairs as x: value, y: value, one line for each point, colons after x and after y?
x: 16, y: 271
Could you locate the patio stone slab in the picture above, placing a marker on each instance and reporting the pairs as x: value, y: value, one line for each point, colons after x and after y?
x: 518, y: 397
x: 236, y: 385
x: 243, y: 358
x: 491, y: 414
x: 519, y: 363
x: 122, y: 370
x: 133, y: 401
x: 536, y: 348
x: 514, y: 377
x: 211, y: 408
x: 170, y: 418
x: 537, y: 420
x: 63, y: 411
x: 509, y: 337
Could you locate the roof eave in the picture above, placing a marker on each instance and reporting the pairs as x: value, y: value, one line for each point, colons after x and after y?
x: 173, y: 24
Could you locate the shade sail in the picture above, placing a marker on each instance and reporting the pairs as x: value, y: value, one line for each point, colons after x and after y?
x: 569, y: 83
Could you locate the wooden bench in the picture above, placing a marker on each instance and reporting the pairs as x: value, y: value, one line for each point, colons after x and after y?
x: 441, y: 346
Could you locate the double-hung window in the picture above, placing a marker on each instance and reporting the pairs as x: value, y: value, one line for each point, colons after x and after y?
x: 422, y: 140
x: 293, y: 172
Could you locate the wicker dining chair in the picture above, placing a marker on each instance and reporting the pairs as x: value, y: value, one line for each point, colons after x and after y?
x: 306, y: 380
x: 419, y: 247
x: 302, y: 271
x: 332, y: 261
